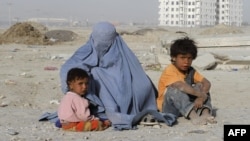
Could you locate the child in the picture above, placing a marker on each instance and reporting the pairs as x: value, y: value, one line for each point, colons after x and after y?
x: 73, y: 111
x: 182, y: 90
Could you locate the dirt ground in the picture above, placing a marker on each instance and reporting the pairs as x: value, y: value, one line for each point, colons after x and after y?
x: 30, y: 86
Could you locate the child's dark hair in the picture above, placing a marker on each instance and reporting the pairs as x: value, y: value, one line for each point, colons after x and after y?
x: 76, y: 74
x: 183, y: 46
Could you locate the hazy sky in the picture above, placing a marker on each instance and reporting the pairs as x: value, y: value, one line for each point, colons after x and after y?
x: 93, y: 10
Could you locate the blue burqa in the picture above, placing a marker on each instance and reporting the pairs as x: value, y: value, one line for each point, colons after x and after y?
x: 118, y: 83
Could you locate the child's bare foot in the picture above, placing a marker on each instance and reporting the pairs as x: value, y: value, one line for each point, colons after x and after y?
x: 196, y: 119
x: 208, y: 117
x: 211, y: 120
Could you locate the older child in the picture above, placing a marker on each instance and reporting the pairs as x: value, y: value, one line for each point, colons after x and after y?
x: 73, y: 111
x: 182, y: 90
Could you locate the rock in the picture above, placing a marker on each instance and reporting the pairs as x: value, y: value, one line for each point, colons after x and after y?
x: 204, y: 62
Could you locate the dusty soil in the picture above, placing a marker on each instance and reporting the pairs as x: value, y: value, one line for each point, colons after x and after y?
x: 30, y: 86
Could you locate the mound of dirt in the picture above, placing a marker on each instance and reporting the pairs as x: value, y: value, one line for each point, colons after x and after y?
x: 61, y: 35
x: 143, y: 31
x: 24, y: 33
x: 221, y: 29
x: 43, y: 29
x: 32, y: 33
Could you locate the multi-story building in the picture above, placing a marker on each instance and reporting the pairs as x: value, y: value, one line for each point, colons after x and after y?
x: 229, y: 12
x: 193, y: 13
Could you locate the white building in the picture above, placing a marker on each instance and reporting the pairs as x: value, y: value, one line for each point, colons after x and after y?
x: 193, y: 13
x: 229, y: 12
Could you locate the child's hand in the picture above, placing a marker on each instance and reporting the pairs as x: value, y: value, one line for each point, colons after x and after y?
x: 198, y: 103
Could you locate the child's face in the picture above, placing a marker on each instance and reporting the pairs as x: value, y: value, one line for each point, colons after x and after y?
x: 183, y: 61
x: 79, y: 86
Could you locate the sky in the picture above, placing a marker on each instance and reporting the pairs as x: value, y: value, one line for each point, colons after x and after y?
x: 145, y: 11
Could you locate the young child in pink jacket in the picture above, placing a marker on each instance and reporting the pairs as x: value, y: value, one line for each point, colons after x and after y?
x: 73, y: 111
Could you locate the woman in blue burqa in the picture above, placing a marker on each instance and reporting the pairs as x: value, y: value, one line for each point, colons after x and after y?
x: 119, y: 88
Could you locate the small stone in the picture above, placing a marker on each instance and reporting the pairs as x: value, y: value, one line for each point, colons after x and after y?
x: 10, y: 82
x: 54, y: 102
x: 3, y: 104
x: 11, y: 132
x: 2, y: 97
x: 27, y: 104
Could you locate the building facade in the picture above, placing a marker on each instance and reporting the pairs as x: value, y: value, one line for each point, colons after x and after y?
x: 229, y: 12
x: 198, y: 13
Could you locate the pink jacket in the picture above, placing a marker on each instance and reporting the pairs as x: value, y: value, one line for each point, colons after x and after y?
x: 74, y: 108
